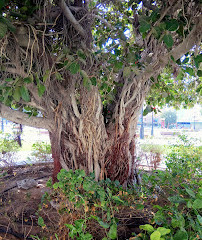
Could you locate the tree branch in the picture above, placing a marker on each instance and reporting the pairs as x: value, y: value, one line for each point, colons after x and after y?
x: 194, y: 38
x: 18, y: 71
x: 68, y: 14
x: 23, y: 118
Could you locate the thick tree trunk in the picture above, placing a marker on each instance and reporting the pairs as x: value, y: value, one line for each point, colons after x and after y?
x: 82, y: 139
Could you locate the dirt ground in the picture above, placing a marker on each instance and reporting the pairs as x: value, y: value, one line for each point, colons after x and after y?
x: 19, y: 205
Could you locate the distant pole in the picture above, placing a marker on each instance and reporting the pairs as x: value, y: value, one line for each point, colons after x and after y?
x: 152, y: 128
x: 2, y: 124
x: 142, y: 126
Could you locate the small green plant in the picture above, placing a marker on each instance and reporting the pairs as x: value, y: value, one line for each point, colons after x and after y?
x: 77, y: 230
x: 151, y: 233
x: 8, y: 148
x: 41, y: 151
x: 93, y: 202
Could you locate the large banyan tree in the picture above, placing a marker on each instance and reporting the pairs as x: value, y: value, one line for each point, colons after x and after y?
x: 82, y: 69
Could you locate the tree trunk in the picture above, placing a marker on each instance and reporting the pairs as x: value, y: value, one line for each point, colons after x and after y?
x: 83, y: 139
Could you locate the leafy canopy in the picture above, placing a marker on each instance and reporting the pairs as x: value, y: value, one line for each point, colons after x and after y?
x: 127, y: 37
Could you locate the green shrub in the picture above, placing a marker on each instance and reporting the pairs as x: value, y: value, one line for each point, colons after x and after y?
x: 7, y: 143
x: 8, y: 148
x: 41, y: 151
x: 180, y: 190
x: 184, y: 159
x: 153, y: 148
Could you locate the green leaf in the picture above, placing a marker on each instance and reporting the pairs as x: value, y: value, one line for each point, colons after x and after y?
x: 93, y: 81
x: 86, y: 80
x: 17, y: 94
x: 163, y: 231
x: 197, y: 204
x: 9, y: 79
x: 116, y: 198
x: 74, y: 68
x: 41, y: 222
x: 189, y: 204
x: 139, y: 206
x: 41, y: 90
x: 172, y: 25
x: 190, y: 192
x: 147, y: 110
x: 198, y: 60
x: 199, y: 73
x: 70, y: 226
x: 147, y: 227
x: 155, y: 15
x: 46, y: 75
x: 157, y: 31
x: 126, y: 72
x: 190, y: 71
x: 144, y: 26
x: 3, y: 30
x: 199, y: 219
x: 58, y: 76
x: 176, y: 199
x: 113, y: 231
x: 27, y: 80
x: 181, y: 235
x: 9, y: 25
x: 118, y: 65
x: 25, y: 94
x: 168, y: 40
x: 103, y: 224
x: 155, y: 235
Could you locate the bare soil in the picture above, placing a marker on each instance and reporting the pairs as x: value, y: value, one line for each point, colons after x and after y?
x: 18, y: 207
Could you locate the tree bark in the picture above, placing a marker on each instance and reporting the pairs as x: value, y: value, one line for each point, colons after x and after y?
x: 83, y: 139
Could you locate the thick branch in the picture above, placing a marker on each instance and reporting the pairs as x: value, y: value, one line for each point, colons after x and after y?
x: 194, y: 38
x: 23, y: 118
x: 68, y: 14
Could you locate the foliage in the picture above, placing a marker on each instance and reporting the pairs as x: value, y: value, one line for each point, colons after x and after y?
x: 174, y: 196
x: 8, y: 148
x: 184, y: 159
x: 88, y: 202
x: 155, y: 234
x: 180, y: 188
x: 154, y: 148
x: 170, y: 118
x: 116, y: 43
x: 41, y: 151
x: 7, y: 143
